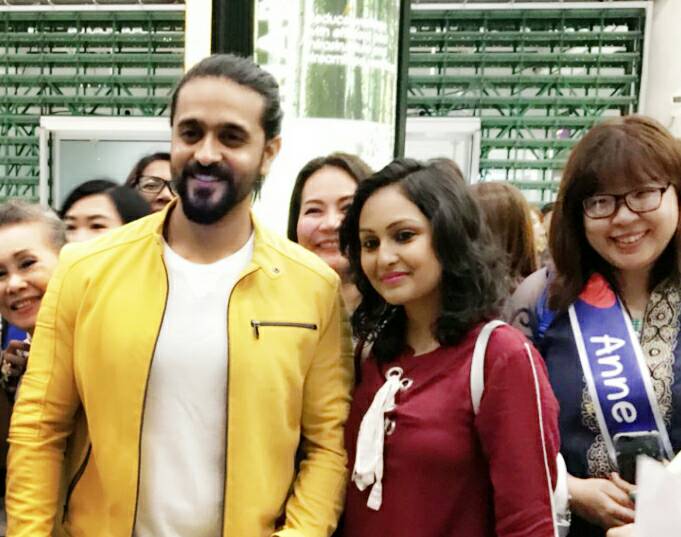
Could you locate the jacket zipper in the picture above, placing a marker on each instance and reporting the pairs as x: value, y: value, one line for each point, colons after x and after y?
x: 229, y: 363
x: 144, y: 401
x: 76, y: 478
x: 146, y: 387
x: 258, y: 324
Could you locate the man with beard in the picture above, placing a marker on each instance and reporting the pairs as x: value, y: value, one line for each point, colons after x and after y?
x: 198, y: 350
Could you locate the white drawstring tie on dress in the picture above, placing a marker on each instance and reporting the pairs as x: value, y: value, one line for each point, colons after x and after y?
x: 369, y: 458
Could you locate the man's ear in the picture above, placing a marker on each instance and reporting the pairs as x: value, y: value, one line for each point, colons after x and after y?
x: 272, y: 148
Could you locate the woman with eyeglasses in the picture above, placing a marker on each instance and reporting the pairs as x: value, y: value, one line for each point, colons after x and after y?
x: 151, y: 177
x: 607, y: 318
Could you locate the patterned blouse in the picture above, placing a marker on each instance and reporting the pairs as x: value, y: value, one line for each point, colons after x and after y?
x: 582, y: 444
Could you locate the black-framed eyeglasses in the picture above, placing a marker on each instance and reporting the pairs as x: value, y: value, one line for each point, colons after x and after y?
x: 641, y: 200
x: 153, y: 185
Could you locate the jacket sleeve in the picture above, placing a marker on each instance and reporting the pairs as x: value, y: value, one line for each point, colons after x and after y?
x: 319, y: 489
x: 519, y: 435
x: 43, y: 415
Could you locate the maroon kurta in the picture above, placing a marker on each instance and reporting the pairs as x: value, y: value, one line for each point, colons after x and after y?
x: 447, y: 472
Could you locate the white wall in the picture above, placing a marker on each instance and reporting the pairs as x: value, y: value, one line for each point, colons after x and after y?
x: 664, y: 62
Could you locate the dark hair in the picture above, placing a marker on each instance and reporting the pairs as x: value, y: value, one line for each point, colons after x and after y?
x: 83, y: 190
x: 630, y: 150
x: 473, y: 283
x: 140, y: 166
x: 508, y: 217
x: 354, y: 166
x: 246, y: 73
x: 130, y: 205
x: 547, y: 208
x: 16, y: 211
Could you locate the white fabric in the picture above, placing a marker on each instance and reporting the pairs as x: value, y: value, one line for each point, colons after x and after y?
x: 658, y: 497
x: 369, y: 458
x: 675, y: 466
x: 478, y: 363
x: 182, y: 468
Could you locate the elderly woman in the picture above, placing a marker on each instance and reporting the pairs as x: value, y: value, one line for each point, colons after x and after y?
x: 30, y: 240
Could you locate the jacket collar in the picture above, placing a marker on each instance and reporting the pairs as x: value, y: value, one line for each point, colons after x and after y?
x: 263, y: 247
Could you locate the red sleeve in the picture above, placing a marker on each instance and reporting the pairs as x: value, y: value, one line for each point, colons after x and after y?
x: 512, y: 438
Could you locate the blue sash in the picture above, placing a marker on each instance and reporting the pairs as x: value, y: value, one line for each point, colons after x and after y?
x: 614, y: 367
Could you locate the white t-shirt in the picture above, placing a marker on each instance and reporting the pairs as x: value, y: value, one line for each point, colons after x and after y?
x: 182, y: 467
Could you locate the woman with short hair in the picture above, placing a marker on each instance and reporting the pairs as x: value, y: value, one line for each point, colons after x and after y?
x: 607, y: 319
x: 30, y: 240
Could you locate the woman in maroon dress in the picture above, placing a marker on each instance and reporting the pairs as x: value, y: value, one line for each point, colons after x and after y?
x: 423, y: 462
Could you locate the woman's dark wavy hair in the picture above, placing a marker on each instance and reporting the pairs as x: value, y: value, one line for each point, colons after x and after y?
x: 633, y: 151
x: 354, y: 166
x: 473, y: 282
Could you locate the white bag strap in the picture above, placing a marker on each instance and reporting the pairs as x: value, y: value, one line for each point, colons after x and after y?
x: 559, y: 497
x: 478, y: 363
x: 556, y: 496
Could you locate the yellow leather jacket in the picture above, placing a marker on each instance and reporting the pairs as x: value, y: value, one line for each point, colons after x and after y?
x: 289, y: 382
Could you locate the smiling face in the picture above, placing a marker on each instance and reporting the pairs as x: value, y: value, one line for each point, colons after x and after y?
x: 219, y: 150
x: 159, y: 169
x: 397, y: 253
x: 631, y: 243
x: 27, y: 260
x: 325, y: 198
x: 91, y: 216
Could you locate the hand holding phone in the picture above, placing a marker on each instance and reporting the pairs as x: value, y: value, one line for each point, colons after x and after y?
x: 628, y: 446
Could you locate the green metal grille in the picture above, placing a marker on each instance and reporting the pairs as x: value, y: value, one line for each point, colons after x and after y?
x: 537, y: 78
x: 79, y: 63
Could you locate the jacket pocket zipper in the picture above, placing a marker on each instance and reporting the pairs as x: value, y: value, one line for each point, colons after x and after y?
x: 76, y: 478
x: 259, y: 324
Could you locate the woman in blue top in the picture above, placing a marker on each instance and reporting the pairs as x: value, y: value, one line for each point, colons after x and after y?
x: 614, y: 232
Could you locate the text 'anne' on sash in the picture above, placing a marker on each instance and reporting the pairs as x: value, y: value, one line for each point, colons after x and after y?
x: 612, y: 361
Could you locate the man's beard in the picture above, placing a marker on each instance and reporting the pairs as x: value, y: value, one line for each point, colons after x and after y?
x: 200, y: 203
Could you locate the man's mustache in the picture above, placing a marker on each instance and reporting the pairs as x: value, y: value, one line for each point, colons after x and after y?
x: 219, y: 171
